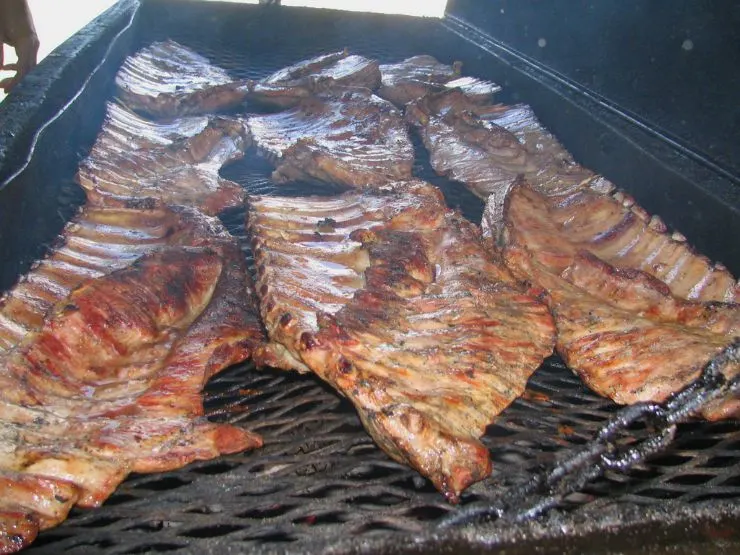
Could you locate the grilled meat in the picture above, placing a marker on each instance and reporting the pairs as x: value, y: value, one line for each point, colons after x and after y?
x: 124, y: 131
x: 390, y: 297
x: 614, y: 228
x: 177, y: 163
x: 326, y: 73
x: 96, y: 242
x: 464, y: 147
x: 353, y: 140
x: 488, y: 150
x: 625, y: 332
x: 110, y: 384
x: 166, y: 80
x: 420, y: 75
x: 487, y: 147
x: 539, y: 143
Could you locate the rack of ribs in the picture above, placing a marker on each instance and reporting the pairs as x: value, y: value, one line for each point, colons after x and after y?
x: 110, y: 383
x: 486, y: 147
x: 353, y: 140
x: 94, y: 243
x: 326, y: 73
x: 615, y: 229
x: 417, y: 76
x: 166, y: 80
x: 124, y: 130
x: 391, y: 298
x: 629, y: 335
x: 135, y: 160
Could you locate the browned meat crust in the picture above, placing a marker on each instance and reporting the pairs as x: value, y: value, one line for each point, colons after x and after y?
x: 621, y: 330
x: 96, y: 242
x: 177, y: 163
x: 353, y: 140
x: 417, y: 76
x: 616, y: 230
x: 464, y: 147
x: 167, y: 80
x: 488, y: 147
x: 326, y: 73
x: 390, y: 297
x: 111, y: 383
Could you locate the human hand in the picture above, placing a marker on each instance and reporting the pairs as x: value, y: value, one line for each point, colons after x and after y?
x: 17, y: 30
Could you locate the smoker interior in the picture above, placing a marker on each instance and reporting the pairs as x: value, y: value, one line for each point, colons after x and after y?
x: 320, y: 484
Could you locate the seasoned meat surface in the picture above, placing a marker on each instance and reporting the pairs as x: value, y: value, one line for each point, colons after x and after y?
x: 325, y: 73
x: 464, y: 147
x: 487, y: 147
x: 626, y: 336
x: 621, y: 329
x: 353, y: 140
x: 616, y: 230
x: 391, y: 298
x: 417, y: 76
x: 167, y: 79
x: 177, y: 163
x: 489, y: 150
x: 95, y: 243
x: 124, y: 130
x: 110, y: 384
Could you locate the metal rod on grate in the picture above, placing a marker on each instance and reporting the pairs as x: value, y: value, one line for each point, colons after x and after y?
x: 546, y: 489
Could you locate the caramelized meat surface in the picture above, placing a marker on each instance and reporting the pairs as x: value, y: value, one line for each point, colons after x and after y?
x: 124, y: 130
x: 177, y: 163
x: 417, y: 76
x: 326, y: 73
x: 612, y: 227
x: 95, y: 243
x: 464, y: 146
x: 110, y: 384
x: 625, y: 332
x: 489, y: 151
x: 487, y: 147
x: 390, y: 297
x: 353, y: 140
x: 166, y: 80
x: 626, y: 336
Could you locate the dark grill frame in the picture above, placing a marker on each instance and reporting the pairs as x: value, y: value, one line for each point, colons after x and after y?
x: 320, y: 484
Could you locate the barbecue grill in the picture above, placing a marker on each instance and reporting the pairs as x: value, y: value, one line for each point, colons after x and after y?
x: 320, y: 484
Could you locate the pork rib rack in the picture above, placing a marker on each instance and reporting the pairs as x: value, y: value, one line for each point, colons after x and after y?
x: 110, y: 383
x: 326, y: 73
x: 96, y: 242
x: 615, y: 229
x: 176, y: 162
x: 629, y: 335
x: 417, y: 76
x: 487, y: 147
x: 355, y: 139
x: 166, y: 80
x: 391, y: 298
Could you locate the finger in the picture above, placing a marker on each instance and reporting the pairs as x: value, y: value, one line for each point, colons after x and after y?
x: 27, y: 51
x: 8, y: 83
x: 10, y: 67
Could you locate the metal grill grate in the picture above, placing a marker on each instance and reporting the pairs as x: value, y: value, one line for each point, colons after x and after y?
x: 320, y: 481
